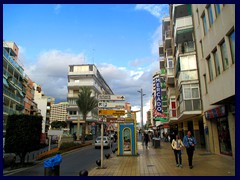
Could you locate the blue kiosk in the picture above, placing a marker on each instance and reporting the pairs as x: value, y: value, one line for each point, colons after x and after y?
x: 127, y: 141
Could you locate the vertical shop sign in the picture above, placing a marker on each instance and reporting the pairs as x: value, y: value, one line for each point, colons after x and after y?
x: 158, y: 95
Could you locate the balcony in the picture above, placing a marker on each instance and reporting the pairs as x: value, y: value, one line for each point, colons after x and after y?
x: 72, y: 96
x: 171, y: 92
x: 77, y: 85
x: 14, y: 63
x: 189, y: 108
x: 162, y: 63
x: 168, y: 40
x: 161, y: 50
x: 187, y: 76
x: 169, y: 52
x: 185, y: 47
x: 183, y: 29
x: 170, y: 76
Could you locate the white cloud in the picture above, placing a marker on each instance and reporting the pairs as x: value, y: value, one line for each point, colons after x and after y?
x: 50, y: 71
x: 57, y: 8
x: 156, y: 39
x: 157, y: 10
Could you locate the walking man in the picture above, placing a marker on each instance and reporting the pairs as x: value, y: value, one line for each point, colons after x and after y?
x: 189, y: 142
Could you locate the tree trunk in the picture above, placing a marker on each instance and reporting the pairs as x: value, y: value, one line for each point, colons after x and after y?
x: 83, y: 133
x: 84, y: 129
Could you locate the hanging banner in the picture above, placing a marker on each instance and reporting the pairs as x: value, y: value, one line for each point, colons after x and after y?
x: 158, y: 95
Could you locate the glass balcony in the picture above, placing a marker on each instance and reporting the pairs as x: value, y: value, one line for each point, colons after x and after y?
x: 190, y: 105
x: 15, y: 64
x: 186, y: 47
x: 187, y: 76
x: 183, y: 29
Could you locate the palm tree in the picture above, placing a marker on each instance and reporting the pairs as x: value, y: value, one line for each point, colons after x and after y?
x: 86, y: 103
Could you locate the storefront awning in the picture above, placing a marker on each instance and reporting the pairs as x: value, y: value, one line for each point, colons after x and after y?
x: 161, y: 119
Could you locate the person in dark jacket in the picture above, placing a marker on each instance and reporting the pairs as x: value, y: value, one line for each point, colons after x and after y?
x: 146, y: 139
x: 189, y: 142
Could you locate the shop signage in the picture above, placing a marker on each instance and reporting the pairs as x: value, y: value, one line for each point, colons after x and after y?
x: 216, y: 112
x: 158, y: 95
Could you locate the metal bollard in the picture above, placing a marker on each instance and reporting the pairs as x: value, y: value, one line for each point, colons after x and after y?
x: 83, y: 172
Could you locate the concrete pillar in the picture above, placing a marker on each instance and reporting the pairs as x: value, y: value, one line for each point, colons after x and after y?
x: 206, y: 133
x: 231, y: 124
x: 185, y: 127
x: 196, y: 132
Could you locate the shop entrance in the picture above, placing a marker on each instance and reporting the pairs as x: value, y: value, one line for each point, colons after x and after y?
x: 224, y: 136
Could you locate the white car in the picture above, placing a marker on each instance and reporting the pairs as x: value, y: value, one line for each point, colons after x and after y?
x: 106, y: 142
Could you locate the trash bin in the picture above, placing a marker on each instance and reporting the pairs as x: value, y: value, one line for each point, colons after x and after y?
x: 52, y: 166
x: 153, y: 142
x: 157, y: 143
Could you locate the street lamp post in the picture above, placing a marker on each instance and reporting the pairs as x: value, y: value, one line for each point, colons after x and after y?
x: 141, y: 92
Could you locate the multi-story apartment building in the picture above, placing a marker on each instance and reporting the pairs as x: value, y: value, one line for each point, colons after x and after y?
x: 13, y: 75
x: 44, y: 104
x: 29, y: 105
x: 58, y: 112
x: 181, y: 73
x: 79, y: 76
x: 214, y: 26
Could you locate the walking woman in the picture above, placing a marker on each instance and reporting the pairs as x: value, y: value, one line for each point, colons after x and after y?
x: 177, y: 146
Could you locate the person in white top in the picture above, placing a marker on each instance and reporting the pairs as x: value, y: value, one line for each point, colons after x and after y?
x: 177, y: 146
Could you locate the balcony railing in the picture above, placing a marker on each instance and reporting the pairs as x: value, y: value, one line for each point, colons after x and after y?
x: 172, y: 113
x: 190, y: 105
x: 169, y: 52
x: 170, y: 71
x: 5, y: 53
x: 167, y: 34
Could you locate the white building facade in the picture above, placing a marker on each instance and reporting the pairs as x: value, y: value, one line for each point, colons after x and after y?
x: 214, y: 26
x: 80, y: 76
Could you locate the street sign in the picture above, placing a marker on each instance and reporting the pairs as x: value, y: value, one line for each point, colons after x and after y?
x: 110, y: 127
x: 111, y: 105
x: 111, y: 97
x: 115, y: 120
x: 55, y: 132
x: 102, y: 112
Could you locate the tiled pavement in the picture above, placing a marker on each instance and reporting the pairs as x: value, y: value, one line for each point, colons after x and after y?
x: 161, y: 162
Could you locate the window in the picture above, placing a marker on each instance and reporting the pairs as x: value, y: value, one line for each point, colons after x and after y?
x: 210, y: 15
x: 232, y: 45
x: 216, y: 62
x: 210, y: 68
x: 71, y: 68
x: 224, y: 55
x: 191, y: 91
x: 204, y: 24
x: 217, y: 9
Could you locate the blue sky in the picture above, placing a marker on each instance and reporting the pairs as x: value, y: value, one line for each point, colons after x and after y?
x: 121, y: 39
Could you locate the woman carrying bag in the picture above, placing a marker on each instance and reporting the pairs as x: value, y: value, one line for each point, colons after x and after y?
x: 177, y: 146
